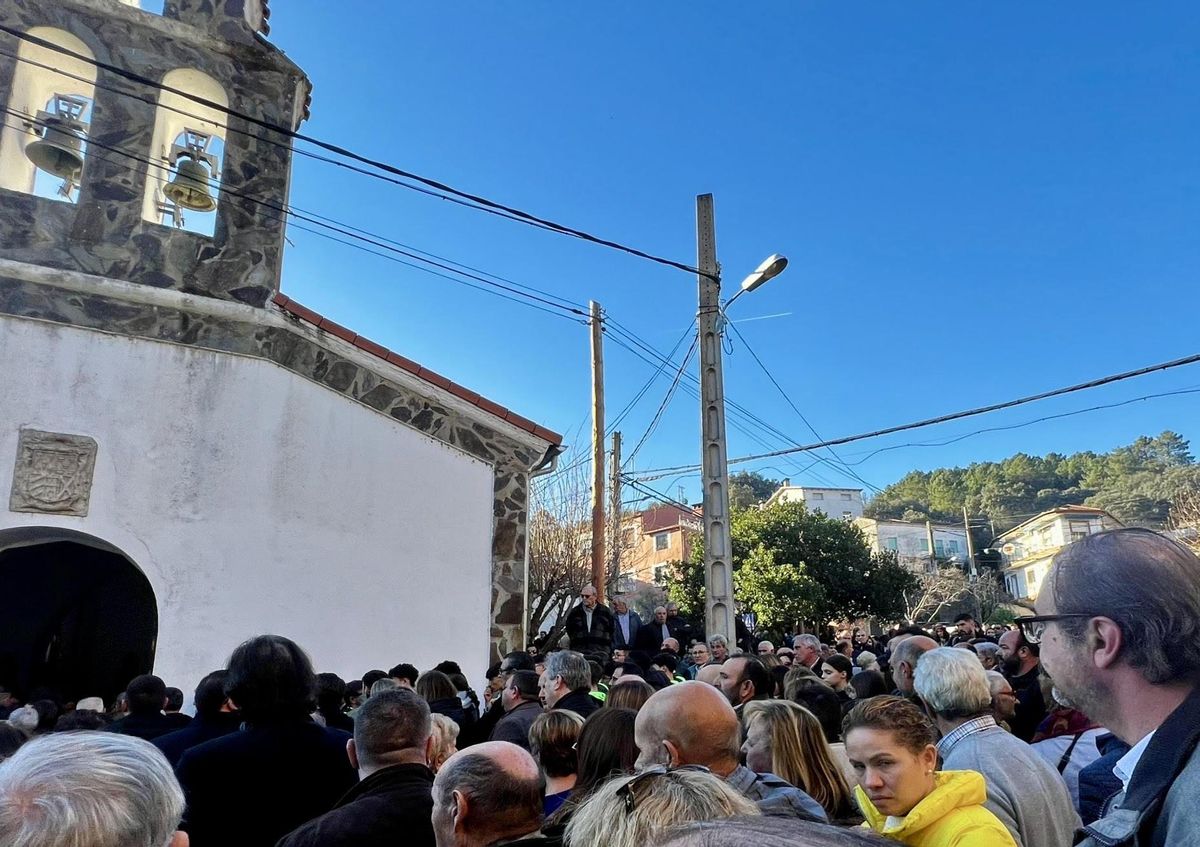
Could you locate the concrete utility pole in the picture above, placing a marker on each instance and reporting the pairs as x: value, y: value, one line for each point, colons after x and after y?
x: 970, y: 545
x: 615, y: 516
x: 932, y: 554
x: 597, y: 451
x: 718, y: 546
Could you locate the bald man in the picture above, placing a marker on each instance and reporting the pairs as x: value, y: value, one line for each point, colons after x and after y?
x: 710, y: 674
x: 905, y: 656
x: 488, y: 794
x: 692, y: 723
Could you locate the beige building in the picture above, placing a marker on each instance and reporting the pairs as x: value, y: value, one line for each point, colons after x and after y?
x: 656, y: 537
x: 909, y: 540
x: 846, y: 503
x: 1028, y: 548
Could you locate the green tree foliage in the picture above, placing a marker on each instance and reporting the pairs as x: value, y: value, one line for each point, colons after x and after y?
x: 749, y: 488
x: 1135, y: 483
x: 791, y: 565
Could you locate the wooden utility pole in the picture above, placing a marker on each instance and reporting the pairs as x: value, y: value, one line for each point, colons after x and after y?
x: 970, y: 545
x: 932, y: 554
x: 597, y: 451
x: 615, y: 513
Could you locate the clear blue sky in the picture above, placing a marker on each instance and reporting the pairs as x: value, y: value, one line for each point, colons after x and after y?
x: 978, y: 200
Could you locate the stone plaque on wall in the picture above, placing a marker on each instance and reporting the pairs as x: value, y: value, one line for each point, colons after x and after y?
x: 53, y: 473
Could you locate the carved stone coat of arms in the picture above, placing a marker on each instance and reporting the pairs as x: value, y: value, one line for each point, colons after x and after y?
x: 53, y: 473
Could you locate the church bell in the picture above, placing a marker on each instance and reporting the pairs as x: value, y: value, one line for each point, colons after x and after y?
x: 59, y: 151
x: 189, y: 187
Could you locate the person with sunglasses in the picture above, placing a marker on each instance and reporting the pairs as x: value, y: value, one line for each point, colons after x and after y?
x: 635, y: 811
x: 1118, y: 626
x: 693, y: 723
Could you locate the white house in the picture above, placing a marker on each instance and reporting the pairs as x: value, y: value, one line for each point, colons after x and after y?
x: 189, y: 457
x: 1028, y: 548
x: 910, y: 541
x: 846, y: 503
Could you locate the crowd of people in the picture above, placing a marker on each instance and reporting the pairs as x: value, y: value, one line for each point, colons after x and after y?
x: 1078, y: 725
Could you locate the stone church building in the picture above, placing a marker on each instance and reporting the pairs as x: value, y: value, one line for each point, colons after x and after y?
x: 189, y: 457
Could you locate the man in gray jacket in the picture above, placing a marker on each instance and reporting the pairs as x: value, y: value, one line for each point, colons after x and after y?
x: 1118, y: 620
x: 1023, y: 790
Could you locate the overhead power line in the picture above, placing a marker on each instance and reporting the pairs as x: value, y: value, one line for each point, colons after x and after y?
x: 666, y: 401
x: 481, y: 202
x: 519, y: 292
x: 981, y: 410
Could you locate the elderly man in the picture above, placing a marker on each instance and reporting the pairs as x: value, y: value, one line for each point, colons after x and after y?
x: 719, y: 648
x: 626, y: 624
x: 766, y: 648
x: 566, y: 683
x: 94, y: 788
x: 1023, y: 790
x: 391, y: 803
x: 590, y: 625
x: 693, y: 724
x: 651, y: 635
x: 680, y: 629
x: 489, y: 794
x: 1004, y: 699
x: 1118, y: 622
x: 700, y: 657
x: 807, y: 649
x: 905, y: 656
x: 989, y: 655
x: 742, y: 679
x: 519, y: 699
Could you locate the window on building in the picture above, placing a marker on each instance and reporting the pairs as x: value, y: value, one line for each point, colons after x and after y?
x: 891, y: 542
x: 661, y: 541
x: 923, y: 546
x: 847, y: 496
x: 1080, y: 530
x: 939, y: 548
x: 847, y: 516
x: 952, y: 547
x: 818, y: 495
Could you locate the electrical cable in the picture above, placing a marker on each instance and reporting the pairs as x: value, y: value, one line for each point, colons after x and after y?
x: 354, y: 233
x: 981, y: 410
x: 666, y: 401
x: 847, y: 470
x: 346, y: 153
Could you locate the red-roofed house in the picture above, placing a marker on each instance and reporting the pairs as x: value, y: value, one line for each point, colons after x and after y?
x: 656, y: 537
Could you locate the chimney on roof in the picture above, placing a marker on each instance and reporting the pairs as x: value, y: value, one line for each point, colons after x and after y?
x: 787, y: 483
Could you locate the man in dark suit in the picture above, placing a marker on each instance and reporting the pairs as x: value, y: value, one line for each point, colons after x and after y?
x: 651, y: 635
x: 807, y: 649
x: 590, y: 625
x: 214, y: 717
x: 393, y: 801
x: 626, y: 624
x: 281, y: 770
x: 519, y: 699
x: 147, y: 696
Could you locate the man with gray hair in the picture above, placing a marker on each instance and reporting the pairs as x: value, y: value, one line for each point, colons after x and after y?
x: 393, y: 800
x: 1118, y: 624
x: 719, y: 648
x: 1023, y: 790
x: 102, y: 789
x: 489, y: 794
x: 566, y: 683
x: 807, y: 652
x: 989, y: 655
x: 905, y: 656
x: 1004, y: 698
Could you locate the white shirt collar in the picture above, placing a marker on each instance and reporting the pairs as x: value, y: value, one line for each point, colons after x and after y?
x: 1127, y: 764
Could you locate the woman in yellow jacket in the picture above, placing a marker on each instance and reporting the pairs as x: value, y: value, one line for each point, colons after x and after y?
x: 890, y: 746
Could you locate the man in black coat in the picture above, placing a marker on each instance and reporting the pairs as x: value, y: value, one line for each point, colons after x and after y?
x: 519, y: 699
x: 393, y: 801
x: 147, y: 697
x: 590, y: 626
x: 566, y: 683
x: 626, y: 624
x: 214, y: 717
x: 652, y: 633
x: 254, y: 786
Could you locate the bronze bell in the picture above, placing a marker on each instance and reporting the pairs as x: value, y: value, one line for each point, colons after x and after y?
x: 59, y: 151
x: 189, y: 187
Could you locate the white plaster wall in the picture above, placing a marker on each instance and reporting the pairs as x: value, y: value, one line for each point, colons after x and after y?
x: 256, y: 501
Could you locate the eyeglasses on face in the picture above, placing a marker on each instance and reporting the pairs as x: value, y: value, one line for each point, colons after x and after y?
x: 1033, y: 627
x: 630, y: 790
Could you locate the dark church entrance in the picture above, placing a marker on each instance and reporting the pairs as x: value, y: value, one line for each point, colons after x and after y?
x: 75, y: 619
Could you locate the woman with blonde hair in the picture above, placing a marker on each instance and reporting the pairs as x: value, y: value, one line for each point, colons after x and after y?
x: 445, y: 740
x: 900, y: 791
x: 786, y: 739
x: 635, y: 811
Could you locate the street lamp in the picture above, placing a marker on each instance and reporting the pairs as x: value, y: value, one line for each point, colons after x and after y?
x: 718, y: 544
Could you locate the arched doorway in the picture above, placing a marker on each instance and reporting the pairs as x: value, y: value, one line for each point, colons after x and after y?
x: 79, y: 618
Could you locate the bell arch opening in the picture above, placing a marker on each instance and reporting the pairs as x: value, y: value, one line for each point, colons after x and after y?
x: 80, y: 618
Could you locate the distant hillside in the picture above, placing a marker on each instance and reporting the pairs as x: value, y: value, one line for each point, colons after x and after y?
x: 1136, y: 483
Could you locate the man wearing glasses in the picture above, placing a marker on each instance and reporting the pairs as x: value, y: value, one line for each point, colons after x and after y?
x: 700, y: 657
x: 1118, y: 627
x: 590, y: 625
